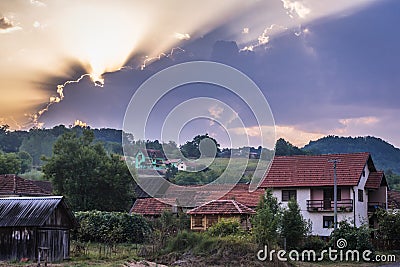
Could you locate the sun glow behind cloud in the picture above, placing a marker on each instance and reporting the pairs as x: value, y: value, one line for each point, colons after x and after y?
x: 50, y: 38
x: 100, y: 35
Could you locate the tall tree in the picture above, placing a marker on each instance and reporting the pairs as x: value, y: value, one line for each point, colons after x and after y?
x: 266, y: 222
x: 191, y: 149
x: 284, y: 148
x: 90, y: 178
x: 294, y: 228
x: 9, y: 163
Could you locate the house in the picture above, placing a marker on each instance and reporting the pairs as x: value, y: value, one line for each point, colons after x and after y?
x: 190, y: 196
x: 153, y: 207
x: 28, y: 224
x: 394, y: 200
x: 150, y: 159
x: 13, y: 185
x: 188, y: 166
x: 206, y: 215
x: 310, y: 179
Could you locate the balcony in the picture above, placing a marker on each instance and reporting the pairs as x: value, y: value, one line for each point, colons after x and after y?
x: 344, y: 205
x: 374, y: 206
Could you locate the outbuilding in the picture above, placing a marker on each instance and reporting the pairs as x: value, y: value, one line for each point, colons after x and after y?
x: 33, y: 225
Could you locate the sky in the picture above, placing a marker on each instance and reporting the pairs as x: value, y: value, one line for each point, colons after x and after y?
x: 324, y: 67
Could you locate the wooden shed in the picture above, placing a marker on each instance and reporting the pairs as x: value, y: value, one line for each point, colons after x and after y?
x: 28, y: 224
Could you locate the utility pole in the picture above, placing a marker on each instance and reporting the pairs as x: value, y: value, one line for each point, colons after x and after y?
x: 335, y: 161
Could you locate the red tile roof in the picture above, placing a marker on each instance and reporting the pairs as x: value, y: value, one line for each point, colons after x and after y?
x: 222, y: 207
x: 393, y: 199
x: 374, y: 180
x: 190, y: 196
x: 306, y: 171
x: 241, y: 194
x: 11, y: 184
x: 151, y: 206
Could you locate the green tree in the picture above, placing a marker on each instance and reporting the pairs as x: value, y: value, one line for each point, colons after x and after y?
x: 294, y: 228
x: 171, y: 172
x: 39, y: 143
x: 26, y: 161
x: 9, y: 163
x: 266, y: 221
x: 191, y: 149
x: 90, y: 178
x: 389, y: 224
x: 356, y: 237
x: 284, y: 148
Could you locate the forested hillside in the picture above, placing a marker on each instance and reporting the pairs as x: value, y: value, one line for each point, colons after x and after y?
x: 385, y: 156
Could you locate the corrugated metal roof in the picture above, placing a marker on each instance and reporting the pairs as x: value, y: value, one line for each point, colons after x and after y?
x: 27, y: 211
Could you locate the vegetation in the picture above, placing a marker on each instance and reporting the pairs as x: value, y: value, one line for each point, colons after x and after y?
x: 356, y: 237
x: 10, y: 163
x: 111, y: 227
x: 266, y: 221
x: 293, y: 227
x: 87, y: 176
x: 191, y: 149
x: 284, y: 148
x: 225, y: 227
x: 389, y: 225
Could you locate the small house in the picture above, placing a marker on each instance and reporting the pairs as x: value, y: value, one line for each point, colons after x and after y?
x: 32, y: 224
x: 150, y: 159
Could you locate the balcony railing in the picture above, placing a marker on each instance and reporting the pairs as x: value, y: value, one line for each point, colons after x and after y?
x: 345, y: 205
x: 373, y: 206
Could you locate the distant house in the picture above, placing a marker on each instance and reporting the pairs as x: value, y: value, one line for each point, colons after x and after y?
x: 309, y: 180
x: 393, y: 200
x: 150, y: 159
x: 153, y: 207
x: 28, y: 224
x: 206, y: 215
x: 188, y: 166
x: 13, y: 185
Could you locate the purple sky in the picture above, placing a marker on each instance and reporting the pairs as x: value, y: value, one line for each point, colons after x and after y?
x: 321, y: 72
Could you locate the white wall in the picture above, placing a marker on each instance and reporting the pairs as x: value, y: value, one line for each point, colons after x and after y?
x: 316, y: 218
x: 361, y: 208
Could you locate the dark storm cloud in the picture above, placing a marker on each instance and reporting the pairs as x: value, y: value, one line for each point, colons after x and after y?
x: 340, y: 68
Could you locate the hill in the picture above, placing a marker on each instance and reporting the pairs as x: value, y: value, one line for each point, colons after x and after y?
x: 386, y: 157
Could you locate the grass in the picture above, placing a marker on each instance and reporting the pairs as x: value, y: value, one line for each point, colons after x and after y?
x: 94, y: 254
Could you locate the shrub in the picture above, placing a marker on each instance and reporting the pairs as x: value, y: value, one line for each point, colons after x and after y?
x: 225, y: 227
x: 357, y: 238
x: 111, y: 227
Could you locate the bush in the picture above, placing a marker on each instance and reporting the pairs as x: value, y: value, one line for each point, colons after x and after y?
x: 111, y: 227
x: 225, y: 227
x: 357, y: 238
x: 183, y: 241
x: 313, y: 242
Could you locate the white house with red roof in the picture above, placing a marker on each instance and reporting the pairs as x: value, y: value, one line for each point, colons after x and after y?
x: 310, y: 179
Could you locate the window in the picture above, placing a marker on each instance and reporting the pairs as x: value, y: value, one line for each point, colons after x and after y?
x: 360, y: 195
x: 288, y: 194
x: 363, y: 173
x: 198, y: 221
x: 328, y: 221
x: 211, y: 220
